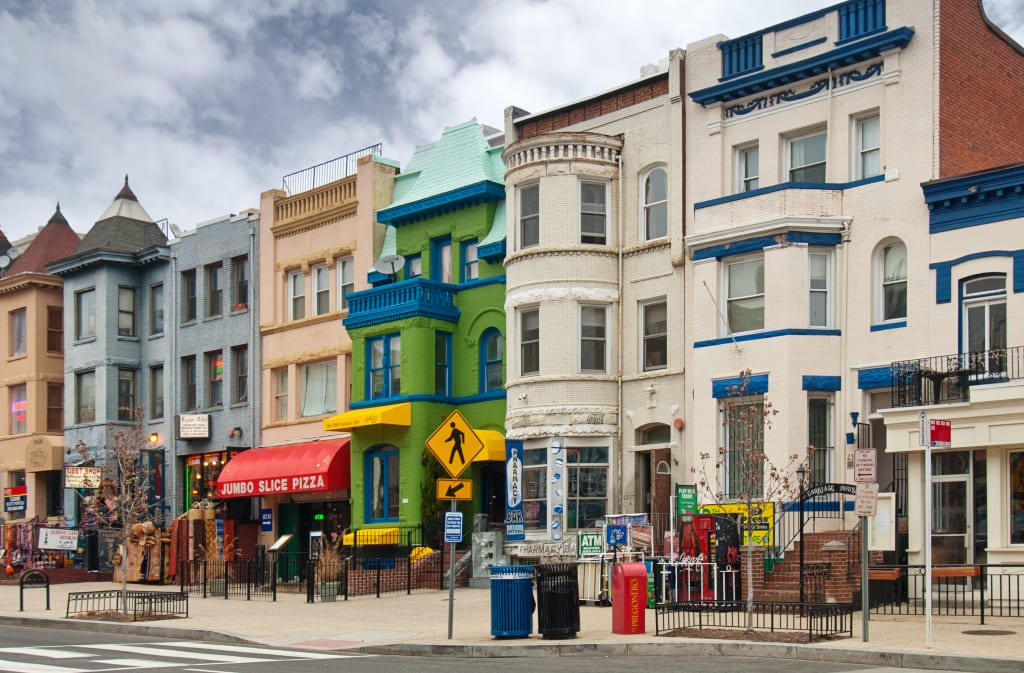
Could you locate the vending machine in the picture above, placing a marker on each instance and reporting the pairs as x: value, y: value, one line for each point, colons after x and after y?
x: 696, y: 577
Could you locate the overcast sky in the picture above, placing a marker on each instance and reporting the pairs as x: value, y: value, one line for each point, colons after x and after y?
x: 206, y: 103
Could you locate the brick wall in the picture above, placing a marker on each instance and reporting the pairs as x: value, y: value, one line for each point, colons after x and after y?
x: 981, y: 92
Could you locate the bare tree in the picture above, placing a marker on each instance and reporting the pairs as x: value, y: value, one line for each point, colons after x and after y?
x: 740, y: 470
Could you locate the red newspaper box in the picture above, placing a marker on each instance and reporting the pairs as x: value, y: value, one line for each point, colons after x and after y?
x: 629, y: 598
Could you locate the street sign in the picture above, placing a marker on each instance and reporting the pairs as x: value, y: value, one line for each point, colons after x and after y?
x: 865, y: 466
x: 867, y: 500
x: 453, y: 527
x: 940, y: 433
x: 455, y: 444
x: 454, y: 489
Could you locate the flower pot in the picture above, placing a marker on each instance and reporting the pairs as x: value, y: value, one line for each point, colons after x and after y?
x: 329, y: 591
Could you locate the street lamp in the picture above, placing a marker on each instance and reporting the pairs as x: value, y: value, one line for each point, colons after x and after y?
x: 801, y: 473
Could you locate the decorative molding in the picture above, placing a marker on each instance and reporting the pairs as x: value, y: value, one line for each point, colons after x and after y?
x: 792, y: 95
x: 896, y: 324
x: 277, y: 327
x: 822, y: 383
x: 755, y: 384
x: 767, y: 334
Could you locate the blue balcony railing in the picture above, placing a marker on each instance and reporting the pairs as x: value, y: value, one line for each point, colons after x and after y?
x: 418, y: 297
x: 861, y: 17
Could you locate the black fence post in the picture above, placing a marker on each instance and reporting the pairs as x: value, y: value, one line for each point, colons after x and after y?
x: 204, y: 578
x: 309, y: 581
x: 982, y: 575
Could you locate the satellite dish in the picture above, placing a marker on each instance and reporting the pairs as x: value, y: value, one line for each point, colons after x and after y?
x: 13, y: 253
x: 175, y: 229
x: 389, y: 264
x: 5, y: 262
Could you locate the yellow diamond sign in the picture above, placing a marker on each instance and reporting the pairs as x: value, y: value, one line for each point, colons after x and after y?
x: 455, y: 444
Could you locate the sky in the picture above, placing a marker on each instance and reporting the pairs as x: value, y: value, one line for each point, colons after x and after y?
x: 205, y: 104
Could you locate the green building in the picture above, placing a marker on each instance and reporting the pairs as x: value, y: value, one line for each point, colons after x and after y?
x: 428, y: 339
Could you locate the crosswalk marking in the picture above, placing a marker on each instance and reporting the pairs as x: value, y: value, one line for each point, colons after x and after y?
x: 133, y: 663
x: 241, y: 649
x: 175, y: 654
x: 48, y: 652
x: 30, y: 667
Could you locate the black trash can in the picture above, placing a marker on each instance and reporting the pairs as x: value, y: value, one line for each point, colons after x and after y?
x: 558, y: 600
x: 511, y: 601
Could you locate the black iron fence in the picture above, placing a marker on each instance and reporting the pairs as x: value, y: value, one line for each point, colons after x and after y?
x: 948, y: 378
x: 977, y: 590
x: 817, y: 620
x: 137, y: 605
x: 326, y: 172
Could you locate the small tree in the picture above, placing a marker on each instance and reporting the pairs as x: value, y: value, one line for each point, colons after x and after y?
x: 740, y: 470
x: 122, y: 506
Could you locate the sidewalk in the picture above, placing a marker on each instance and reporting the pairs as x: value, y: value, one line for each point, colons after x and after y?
x: 417, y: 625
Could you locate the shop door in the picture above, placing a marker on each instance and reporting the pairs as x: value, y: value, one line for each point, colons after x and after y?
x: 950, y: 530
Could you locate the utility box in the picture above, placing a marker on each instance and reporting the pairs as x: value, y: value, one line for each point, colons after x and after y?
x: 629, y: 598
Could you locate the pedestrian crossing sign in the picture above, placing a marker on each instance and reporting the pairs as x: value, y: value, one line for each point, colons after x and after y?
x: 455, y: 444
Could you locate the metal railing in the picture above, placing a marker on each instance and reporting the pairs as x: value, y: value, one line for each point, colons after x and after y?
x: 326, y: 172
x: 976, y: 590
x: 140, y: 604
x: 948, y: 378
x: 413, y: 297
x: 817, y: 620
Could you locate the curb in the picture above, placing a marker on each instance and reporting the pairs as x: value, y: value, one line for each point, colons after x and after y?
x: 178, y: 633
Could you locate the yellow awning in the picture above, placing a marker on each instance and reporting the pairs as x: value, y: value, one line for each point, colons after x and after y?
x: 391, y: 414
x: 494, y: 446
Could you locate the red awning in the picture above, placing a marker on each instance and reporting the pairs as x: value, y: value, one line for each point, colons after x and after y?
x: 309, y: 466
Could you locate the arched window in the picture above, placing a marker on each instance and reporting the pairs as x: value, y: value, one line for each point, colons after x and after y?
x: 983, y: 307
x: 655, y: 200
x: 381, y: 477
x: 492, y: 353
x: 891, y: 281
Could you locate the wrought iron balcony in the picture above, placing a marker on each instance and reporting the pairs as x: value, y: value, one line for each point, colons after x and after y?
x: 944, y: 379
x: 417, y: 297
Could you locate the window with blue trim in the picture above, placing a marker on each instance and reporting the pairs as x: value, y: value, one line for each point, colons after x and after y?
x: 442, y: 363
x: 413, y: 268
x: 470, y: 261
x: 492, y: 351
x: 983, y: 306
x: 381, y: 475
x: 441, y: 259
x: 385, y: 371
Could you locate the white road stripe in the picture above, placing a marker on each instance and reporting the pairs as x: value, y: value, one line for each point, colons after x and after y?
x: 134, y: 663
x: 167, y: 653
x: 28, y: 667
x: 48, y: 652
x: 241, y: 649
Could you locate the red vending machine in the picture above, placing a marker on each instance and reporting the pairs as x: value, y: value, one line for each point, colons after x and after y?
x: 696, y: 580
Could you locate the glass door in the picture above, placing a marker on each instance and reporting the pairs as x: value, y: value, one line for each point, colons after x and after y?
x: 949, y: 522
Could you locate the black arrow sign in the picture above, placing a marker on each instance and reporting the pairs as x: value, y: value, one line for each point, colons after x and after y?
x: 453, y: 489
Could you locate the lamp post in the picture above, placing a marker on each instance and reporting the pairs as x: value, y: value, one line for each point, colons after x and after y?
x: 801, y: 473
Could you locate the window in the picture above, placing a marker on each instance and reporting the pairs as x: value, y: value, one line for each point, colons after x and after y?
x: 385, y: 356
x: 345, y: 268
x: 749, y: 169
x: 54, y: 329
x: 54, y: 407
x: 240, y: 282
x: 319, y: 388
x: 529, y: 216
x: 321, y: 289
x: 470, y: 262
x: 442, y: 363
x: 593, y: 338
x: 535, y: 487
x: 214, y: 379
x: 296, y: 295
x: 240, y: 374
x: 85, y: 397
x: 18, y: 336
x: 655, y: 335
x: 656, y: 434
x: 189, y: 289
x: 745, y: 305
x: 19, y: 408
x: 126, y: 394
x: 214, y: 291
x: 16, y: 478
x: 85, y: 314
x: 125, y: 311
x: 413, y: 266
x: 188, y: 377
x: 655, y: 204
x: 280, y: 376
x: 156, y: 392
x: 1017, y: 497
x: 441, y: 259
x: 984, y: 323
x: 807, y: 157
x: 593, y: 212
x: 492, y: 354
x: 819, y: 282
x: 587, y: 469
x: 819, y: 436
x: 869, y: 153
x: 156, y: 309
x: 743, y: 457
x: 382, y: 474
x: 892, y: 267
x: 529, y: 341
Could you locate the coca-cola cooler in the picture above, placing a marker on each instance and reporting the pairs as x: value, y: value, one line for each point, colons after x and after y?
x: 695, y: 580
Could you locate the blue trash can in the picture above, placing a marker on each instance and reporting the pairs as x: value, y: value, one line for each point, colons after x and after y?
x: 511, y: 601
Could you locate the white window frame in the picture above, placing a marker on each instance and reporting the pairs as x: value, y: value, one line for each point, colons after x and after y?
x: 727, y: 284
x: 523, y: 219
x: 345, y: 270
x: 747, y: 181
x: 280, y: 401
x: 470, y: 260
x: 319, y: 388
x: 594, y: 211
x: 881, y: 283
x: 85, y: 314
x: 320, y: 276
x: 588, y: 340
x: 824, y: 287
x: 653, y: 206
x: 990, y: 359
x: 792, y: 141
x: 296, y: 281
x: 864, y: 152
x: 523, y: 344
x: 653, y: 337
